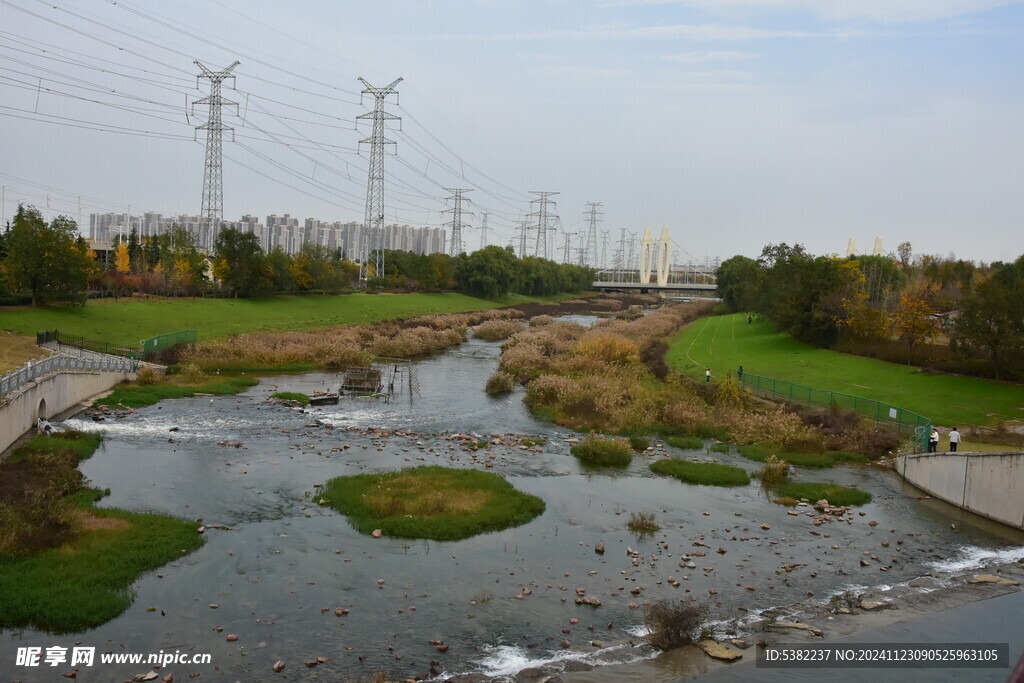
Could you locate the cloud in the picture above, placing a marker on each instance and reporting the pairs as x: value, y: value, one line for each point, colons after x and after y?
x: 708, y: 32
x: 584, y: 71
x: 707, y: 57
x: 881, y: 11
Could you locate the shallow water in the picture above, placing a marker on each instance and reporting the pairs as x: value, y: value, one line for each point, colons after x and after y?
x: 287, y: 563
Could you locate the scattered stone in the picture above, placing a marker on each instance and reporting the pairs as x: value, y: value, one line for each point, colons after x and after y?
x: 231, y: 637
x: 278, y: 666
x: 719, y: 651
x: 992, y: 578
x: 796, y: 625
x: 872, y: 605
x: 377, y: 533
x: 599, y: 548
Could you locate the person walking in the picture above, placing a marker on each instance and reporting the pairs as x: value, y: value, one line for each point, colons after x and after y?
x: 954, y: 440
x: 740, y: 373
x: 750, y: 319
x: 707, y: 375
x: 933, y: 441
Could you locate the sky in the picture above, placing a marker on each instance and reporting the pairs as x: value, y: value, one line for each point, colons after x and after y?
x: 735, y: 123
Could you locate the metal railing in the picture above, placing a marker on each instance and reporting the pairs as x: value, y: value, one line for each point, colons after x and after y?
x: 88, y: 344
x: 166, y: 341
x: 906, y: 422
x: 37, y: 369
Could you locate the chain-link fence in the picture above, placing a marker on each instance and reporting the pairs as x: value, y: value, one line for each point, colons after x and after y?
x: 166, y: 341
x: 912, y: 424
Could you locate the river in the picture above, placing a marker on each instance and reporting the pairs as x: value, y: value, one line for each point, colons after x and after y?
x: 287, y: 563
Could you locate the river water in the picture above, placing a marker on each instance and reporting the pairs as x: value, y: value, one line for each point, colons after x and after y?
x: 287, y: 563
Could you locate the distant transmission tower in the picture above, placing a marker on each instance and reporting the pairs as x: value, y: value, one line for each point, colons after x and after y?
x: 455, y: 243
x: 590, y: 257
x: 566, y: 247
x: 212, y: 214
x: 604, y: 248
x: 542, y: 248
x: 523, y: 227
x: 371, y: 246
x: 483, y: 230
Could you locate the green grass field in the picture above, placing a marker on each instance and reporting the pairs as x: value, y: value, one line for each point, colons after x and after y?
x: 723, y: 343
x: 129, y: 320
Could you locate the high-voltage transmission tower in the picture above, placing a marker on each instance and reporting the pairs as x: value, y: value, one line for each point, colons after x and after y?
x: 455, y: 243
x: 604, y: 248
x: 589, y: 255
x: 542, y: 248
x: 371, y: 246
x: 566, y: 248
x: 483, y: 230
x: 212, y: 214
x: 523, y: 227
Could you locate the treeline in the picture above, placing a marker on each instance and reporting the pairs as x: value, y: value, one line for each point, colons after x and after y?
x: 892, y: 307
x: 44, y: 263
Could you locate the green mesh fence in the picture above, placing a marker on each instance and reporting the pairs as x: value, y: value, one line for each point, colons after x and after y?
x: 907, y: 422
x: 165, y: 341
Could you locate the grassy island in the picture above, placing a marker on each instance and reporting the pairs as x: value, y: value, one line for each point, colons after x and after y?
x: 707, y: 473
x: 432, y: 502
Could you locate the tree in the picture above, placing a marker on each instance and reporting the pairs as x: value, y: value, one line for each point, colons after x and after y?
x: 911, y: 322
x: 905, y: 253
x: 46, y: 259
x: 490, y: 272
x: 738, y: 279
x: 240, y: 264
x: 991, y: 321
x: 123, y: 259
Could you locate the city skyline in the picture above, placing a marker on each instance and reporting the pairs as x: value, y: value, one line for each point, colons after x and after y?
x: 735, y: 123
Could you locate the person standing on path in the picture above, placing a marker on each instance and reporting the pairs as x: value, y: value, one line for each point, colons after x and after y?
x: 933, y: 441
x: 954, y: 440
x: 707, y: 375
x: 740, y: 373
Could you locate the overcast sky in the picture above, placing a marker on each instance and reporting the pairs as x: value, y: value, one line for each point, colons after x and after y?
x: 733, y: 122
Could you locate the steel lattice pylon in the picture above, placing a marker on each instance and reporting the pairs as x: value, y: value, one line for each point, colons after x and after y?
x: 542, y: 247
x: 455, y: 243
x: 371, y: 246
x: 588, y: 252
x: 212, y: 214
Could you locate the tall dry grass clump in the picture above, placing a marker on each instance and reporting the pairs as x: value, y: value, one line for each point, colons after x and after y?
x: 779, y: 427
x: 774, y: 470
x: 500, y: 383
x: 493, y: 330
x: 147, y: 376
x: 541, y: 320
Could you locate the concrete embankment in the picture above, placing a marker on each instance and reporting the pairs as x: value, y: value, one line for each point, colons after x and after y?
x: 987, y: 484
x: 48, y: 396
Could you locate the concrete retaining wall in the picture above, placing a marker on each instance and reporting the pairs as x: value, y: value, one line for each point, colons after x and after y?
x: 988, y: 484
x: 50, y: 396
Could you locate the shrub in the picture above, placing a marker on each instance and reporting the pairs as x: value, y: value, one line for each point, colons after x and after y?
x: 674, y: 624
x: 192, y: 374
x: 541, y: 320
x: 774, y: 470
x: 500, y: 383
x: 814, y: 491
x: 608, y: 349
x: 729, y: 393
x: 493, y: 330
x: 705, y: 473
x: 687, y: 443
x: 639, y: 442
x: 147, y: 376
x: 642, y: 522
x: 595, y: 450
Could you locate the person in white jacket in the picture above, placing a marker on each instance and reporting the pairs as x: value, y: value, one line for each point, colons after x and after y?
x: 954, y: 440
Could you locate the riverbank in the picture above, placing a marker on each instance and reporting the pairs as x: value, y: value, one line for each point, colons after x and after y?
x: 921, y: 611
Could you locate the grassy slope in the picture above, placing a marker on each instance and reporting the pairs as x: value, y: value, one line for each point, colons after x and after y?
x: 129, y: 320
x: 725, y: 342
x: 17, y: 349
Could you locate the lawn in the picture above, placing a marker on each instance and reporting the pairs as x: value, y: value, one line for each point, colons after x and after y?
x: 723, y: 343
x: 129, y: 320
